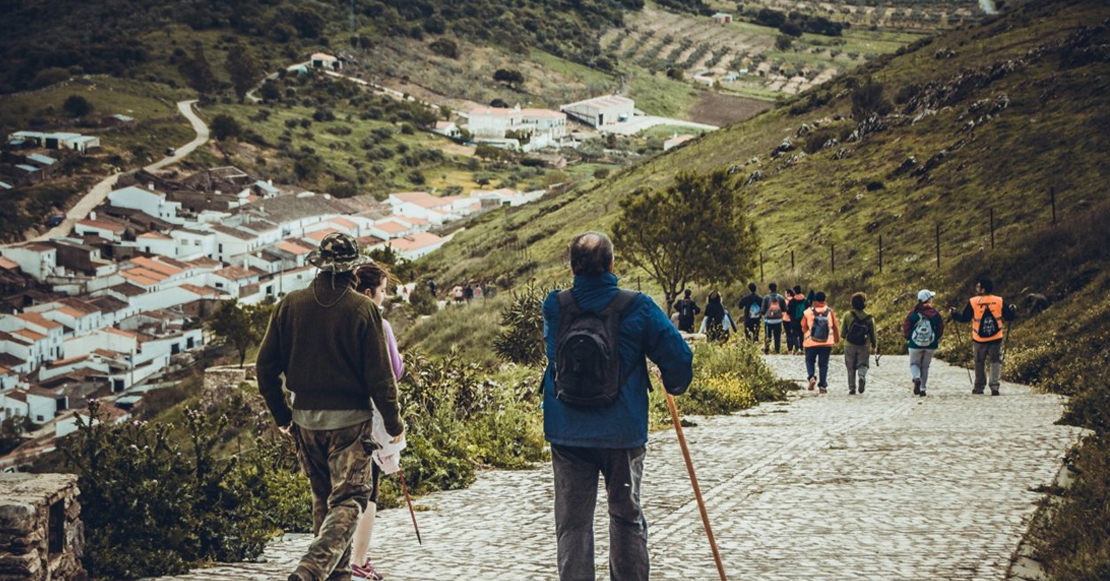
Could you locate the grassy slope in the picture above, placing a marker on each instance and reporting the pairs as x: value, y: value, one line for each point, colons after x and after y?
x: 821, y: 201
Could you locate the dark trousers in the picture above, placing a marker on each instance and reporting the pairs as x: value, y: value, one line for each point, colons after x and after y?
x: 338, y: 465
x: 793, y: 335
x: 751, y: 329
x: 818, y: 357
x: 576, y: 471
x: 774, y: 331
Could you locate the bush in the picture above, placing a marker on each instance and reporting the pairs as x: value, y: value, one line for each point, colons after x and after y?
x: 77, y: 106
x: 226, y: 127
x: 521, y: 339
x: 868, y: 100
x: 422, y: 301
x: 445, y: 47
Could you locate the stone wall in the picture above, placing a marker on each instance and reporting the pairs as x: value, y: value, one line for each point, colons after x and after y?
x: 221, y: 382
x: 41, y: 534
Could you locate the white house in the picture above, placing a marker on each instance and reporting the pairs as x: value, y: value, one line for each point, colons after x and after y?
x: 34, y: 258
x: 148, y: 202
x: 539, y: 127
x: 59, y: 140
x: 68, y: 424
x: 9, y: 379
x: 76, y: 314
x: 722, y: 18
x: 157, y: 243
x: 233, y: 278
x: 102, y: 228
x: 431, y: 208
x: 325, y: 61
x: 191, y: 243
x: 393, y: 227
x: 446, y: 129
x: 601, y: 111
x: 32, y: 337
x: 418, y: 244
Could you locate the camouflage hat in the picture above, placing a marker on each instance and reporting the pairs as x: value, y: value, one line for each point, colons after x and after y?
x: 338, y: 252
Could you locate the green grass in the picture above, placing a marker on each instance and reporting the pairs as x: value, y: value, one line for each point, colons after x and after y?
x: 658, y: 95
x: 668, y: 131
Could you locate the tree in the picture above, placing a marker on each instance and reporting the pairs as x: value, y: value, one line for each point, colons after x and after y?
x: 488, y: 152
x: 11, y: 432
x: 510, y: 77
x: 241, y: 326
x: 445, y: 47
x: 197, y: 71
x: 868, y: 100
x: 243, y: 68
x: 783, y: 42
x: 225, y: 127
x: 697, y: 231
x: 77, y: 106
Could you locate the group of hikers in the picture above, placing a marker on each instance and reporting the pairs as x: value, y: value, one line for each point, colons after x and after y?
x: 812, y: 329
x: 329, y: 346
x: 462, y: 294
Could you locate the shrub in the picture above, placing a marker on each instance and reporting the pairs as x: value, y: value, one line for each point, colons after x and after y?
x: 77, y: 106
x: 868, y: 100
x: 225, y: 127
x: 445, y: 47
x: 521, y: 339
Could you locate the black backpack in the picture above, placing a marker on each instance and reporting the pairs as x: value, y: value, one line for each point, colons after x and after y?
x: 858, y: 332
x: 587, y: 351
x: 687, y: 309
x: 988, y: 324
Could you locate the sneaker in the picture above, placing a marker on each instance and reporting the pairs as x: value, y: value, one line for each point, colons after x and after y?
x: 977, y: 391
x: 812, y: 383
x: 921, y: 393
x: 822, y: 390
x: 917, y: 386
x: 366, y: 571
x: 995, y: 392
x: 862, y: 385
x: 851, y: 392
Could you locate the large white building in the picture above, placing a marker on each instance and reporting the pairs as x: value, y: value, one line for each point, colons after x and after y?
x: 541, y: 127
x: 148, y: 202
x: 601, y: 111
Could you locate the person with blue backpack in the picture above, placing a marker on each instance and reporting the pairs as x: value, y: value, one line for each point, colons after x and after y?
x: 773, y: 312
x: 751, y: 305
x: 922, y: 328
x: 598, y: 338
x: 821, y: 333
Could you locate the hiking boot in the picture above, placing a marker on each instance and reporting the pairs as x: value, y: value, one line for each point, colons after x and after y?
x: 822, y: 390
x: 812, y: 383
x: 851, y: 392
x: 921, y: 393
x: 995, y: 392
x: 917, y: 386
x: 366, y: 571
x: 977, y: 391
x: 862, y: 385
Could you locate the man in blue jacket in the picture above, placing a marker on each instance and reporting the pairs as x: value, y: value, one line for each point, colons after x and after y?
x: 608, y: 438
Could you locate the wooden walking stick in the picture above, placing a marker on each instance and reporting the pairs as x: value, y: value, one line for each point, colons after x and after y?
x: 694, y: 480
x: 412, y: 513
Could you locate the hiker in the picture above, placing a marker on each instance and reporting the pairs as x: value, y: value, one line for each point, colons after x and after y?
x: 595, y: 407
x: 717, y: 321
x: 796, y: 305
x: 860, y: 336
x: 751, y: 305
x: 432, y: 287
x: 821, y: 333
x: 329, y: 344
x: 987, y: 314
x: 371, y: 280
x: 468, y: 292
x: 922, y: 328
x: 774, y: 307
x: 687, y: 309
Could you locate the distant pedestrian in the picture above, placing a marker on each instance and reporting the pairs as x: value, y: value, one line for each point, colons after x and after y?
x: 751, y: 306
x: 922, y: 328
x: 328, y: 344
x: 987, y: 314
x: 468, y: 292
x: 595, y: 407
x: 687, y: 310
x: 478, y: 291
x: 457, y: 294
x: 821, y: 333
x: 432, y: 287
x: 859, y: 334
x: 796, y: 306
x: 773, y: 311
x: 716, y: 323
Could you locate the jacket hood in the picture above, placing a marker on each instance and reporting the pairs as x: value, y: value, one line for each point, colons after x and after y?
x: 926, y: 310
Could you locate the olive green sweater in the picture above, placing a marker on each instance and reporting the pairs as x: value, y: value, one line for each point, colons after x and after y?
x: 331, y: 349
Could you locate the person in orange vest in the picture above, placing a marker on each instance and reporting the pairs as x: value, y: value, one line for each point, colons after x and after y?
x: 988, y: 315
x: 821, y: 333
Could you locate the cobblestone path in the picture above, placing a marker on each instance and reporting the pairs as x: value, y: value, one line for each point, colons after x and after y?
x: 881, y: 486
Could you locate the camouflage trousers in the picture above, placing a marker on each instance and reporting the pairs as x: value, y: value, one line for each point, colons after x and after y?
x: 337, y: 464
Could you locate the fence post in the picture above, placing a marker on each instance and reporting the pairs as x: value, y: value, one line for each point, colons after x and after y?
x: 760, y: 267
x: 792, y: 269
x: 992, y: 228
x: 880, y: 253
x: 938, y: 245
x: 638, y: 284
x: 1052, y: 196
x: 832, y: 257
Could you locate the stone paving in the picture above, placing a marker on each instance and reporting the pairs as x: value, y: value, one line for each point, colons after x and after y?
x: 880, y: 486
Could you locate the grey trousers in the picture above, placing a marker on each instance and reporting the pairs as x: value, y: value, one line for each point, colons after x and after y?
x: 992, y: 353
x: 920, y: 360
x: 576, y: 471
x: 857, y: 360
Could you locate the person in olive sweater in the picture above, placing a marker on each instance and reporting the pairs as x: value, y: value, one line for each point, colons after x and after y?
x: 328, y: 343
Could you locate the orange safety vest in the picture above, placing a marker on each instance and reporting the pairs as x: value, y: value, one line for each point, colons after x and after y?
x: 807, y: 325
x: 979, y: 305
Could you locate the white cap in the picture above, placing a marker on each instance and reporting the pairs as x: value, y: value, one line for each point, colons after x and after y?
x: 924, y: 295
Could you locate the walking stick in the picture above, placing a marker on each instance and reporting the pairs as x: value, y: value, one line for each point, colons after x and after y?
x: 412, y: 513
x: 694, y: 481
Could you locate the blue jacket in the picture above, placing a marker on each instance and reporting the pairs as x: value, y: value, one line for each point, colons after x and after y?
x: 645, y: 331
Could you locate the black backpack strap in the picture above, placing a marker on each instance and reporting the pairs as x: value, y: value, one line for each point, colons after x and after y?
x: 567, y: 302
x: 621, y: 302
